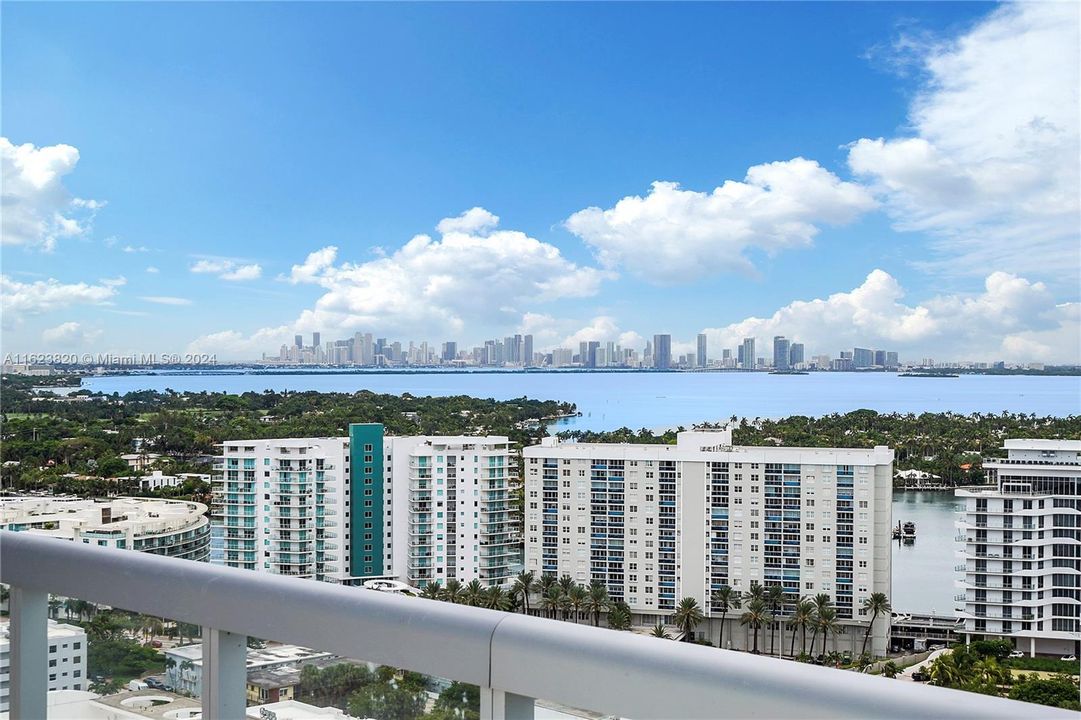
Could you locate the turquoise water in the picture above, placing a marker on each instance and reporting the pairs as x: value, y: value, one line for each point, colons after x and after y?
x: 652, y: 400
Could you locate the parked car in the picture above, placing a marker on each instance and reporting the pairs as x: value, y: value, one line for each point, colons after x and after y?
x: 154, y: 683
x: 1017, y: 654
x: 919, y: 676
x: 1069, y: 658
x: 935, y: 647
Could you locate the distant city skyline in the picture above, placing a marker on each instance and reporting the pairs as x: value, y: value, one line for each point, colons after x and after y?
x: 465, y: 172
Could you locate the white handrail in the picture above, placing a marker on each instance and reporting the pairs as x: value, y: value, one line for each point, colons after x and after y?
x: 511, y: 657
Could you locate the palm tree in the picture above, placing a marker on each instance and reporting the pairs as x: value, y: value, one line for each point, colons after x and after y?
x: 687, y: 616
x: 523, y: 587
x: 724, y: 599
x: 453, y: 591
x: 827, y: 623
x: 566, y: 582
x: 756, y: 615
x: 619, y: 618
x: 473, y: 594
x: 890, y: 669
x: 495, y: 598
x: 578, y: 596
x: 821, y: 602
x: 550, y: 600
x: 802, y: 616
x: 757, y: 592
x: 597, y: 601
x: 659, y: 631
x: 774, y: 600
x: 876, y: 603
x: 547, y: 580
x: 432, y: 590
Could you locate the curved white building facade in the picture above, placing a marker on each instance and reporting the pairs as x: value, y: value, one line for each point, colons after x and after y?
x: 176, y: 528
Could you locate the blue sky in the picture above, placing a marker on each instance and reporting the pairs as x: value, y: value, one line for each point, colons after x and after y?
x: 247, y: 135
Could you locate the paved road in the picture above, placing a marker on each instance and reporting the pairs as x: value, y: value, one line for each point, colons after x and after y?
x: 906, y: 674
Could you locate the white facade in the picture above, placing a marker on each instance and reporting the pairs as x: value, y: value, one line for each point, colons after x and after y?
x: 286, y: 506
x: 451, y: 503
x: 67, y: 659
x: 657, y: 523
x: 280, y: 506
x: 176, y: 528
x: 1022, y: 548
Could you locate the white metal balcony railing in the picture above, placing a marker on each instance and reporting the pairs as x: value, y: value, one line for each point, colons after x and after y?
x: 513, y: 658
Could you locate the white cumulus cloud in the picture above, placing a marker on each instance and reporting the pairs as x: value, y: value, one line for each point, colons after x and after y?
x: 227, y: 269
x: 34, y: 298
x: 37, y: 209
x: 472, y: 277
x: 1011, y: 319
x: 992, y: 163
x: 69, y: 335
x: 673, y: 235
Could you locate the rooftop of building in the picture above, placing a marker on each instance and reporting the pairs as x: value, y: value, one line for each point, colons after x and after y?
x: 66, y: 516
x: 57, y: 630
x: 714, y: 445
x: 1040, y: 444
x: 257, y: 657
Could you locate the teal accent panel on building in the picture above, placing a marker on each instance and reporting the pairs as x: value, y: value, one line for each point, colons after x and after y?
x: 366, y: 531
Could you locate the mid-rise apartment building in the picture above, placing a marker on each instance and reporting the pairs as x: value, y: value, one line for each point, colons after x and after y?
x: 657, y: 523
x: 1022, y: 548
x: 415, y: 508
x: 67, y: 659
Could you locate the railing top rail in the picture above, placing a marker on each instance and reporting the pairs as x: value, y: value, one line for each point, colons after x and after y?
x: 580, y: 666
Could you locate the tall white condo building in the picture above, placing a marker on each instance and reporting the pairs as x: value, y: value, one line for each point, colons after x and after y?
x: 1022, y: 548
x: 343, y: 509
x: 657, y: 523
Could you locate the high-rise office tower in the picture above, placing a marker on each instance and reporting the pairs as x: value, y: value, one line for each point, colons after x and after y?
x: 781, y: 349
x: 657, y: 523
x: 700, y: 357
x: 527, y: 350
x: 795, y: 355
x: 315, y: 340
x: 747, y: 362
x: 450, y: 351
x: 1021, y: 548
x: 591, y: 353
x: 298, y: 341
x: 880, y: 358
x: 862, y: 358
x: 662, y: 352
x: 342, y: 509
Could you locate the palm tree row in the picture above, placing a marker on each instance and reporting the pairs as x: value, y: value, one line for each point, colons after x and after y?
x: 562, y: 598
x: 763, y: 608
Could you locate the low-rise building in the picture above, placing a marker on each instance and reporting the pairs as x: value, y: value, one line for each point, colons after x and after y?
x: 67, y: 659
x: 184, y: 664
x: 177, y: 528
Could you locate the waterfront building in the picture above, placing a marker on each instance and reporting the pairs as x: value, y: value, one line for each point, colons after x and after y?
x: 66, y: 654
x: 527, y: 351
x: 176, y: 528
x: 781, y: 350
x: 862, y: 358
x: 747, y: 356
x: 656, y: 523
x: 1022, y: 548
x: 700, y: 357
x: 795, y: 355
x: 662, y: 352
x: 891, y: 360
x: 342, y: 509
